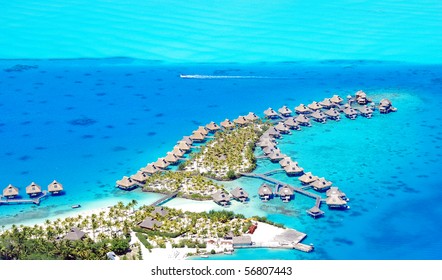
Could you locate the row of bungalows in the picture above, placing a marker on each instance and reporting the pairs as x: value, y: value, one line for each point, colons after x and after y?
x: 291, y: 167
x: 336, y: 199
x: 32, y: 190
x: 222, y: 198
x: 318, y: 184
x: 240, y: 121
x: 285, y: 192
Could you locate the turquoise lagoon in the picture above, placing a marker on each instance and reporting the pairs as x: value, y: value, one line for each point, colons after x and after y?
x: 90, y: 92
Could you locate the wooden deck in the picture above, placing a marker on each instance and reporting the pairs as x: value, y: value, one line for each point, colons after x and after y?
x: 164, y: 199
x: 24, y: 201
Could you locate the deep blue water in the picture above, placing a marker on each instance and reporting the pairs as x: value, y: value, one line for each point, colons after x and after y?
x: 87, y: 123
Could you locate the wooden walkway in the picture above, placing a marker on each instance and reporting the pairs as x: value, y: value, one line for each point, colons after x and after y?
x: 271, y: 172
x: 164, y: 199
x: 297, y: 246
x: 21, y: 200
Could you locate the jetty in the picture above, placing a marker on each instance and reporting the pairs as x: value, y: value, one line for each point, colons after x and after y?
x: 24, y: 201
x: 164, y: 199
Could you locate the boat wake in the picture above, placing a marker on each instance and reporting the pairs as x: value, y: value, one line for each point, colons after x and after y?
x: 227, y: 77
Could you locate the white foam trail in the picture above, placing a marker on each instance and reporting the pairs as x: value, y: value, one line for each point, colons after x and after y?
x: 226, y: 77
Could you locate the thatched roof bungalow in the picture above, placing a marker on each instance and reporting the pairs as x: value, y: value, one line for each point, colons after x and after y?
x: 182, y: 145
x: 150, y: 169
x: 314, y: 106
x: 307, y: 178
x: 302, y: 109
x: 10, y: 191
x: 292, y: 124
x: 282, y: 128
x: 265, y: 192
x: 127, y: 183
x: 315, y: 212
x: 321, y: 185
x: 178, y: 152
x: 293, y: 169
x: 332, y: 114
x: 197, y: 137
x: 213, y: 127
x: 270, y: 149
x: 161, y: 163
x: 336, y: 99
x: 386, y: 107
x: 276, y: 156
x: 75, y: 234
x: 286, y: 193
x: 202, y: 130
x: 172, y: 158
x: 221, y: 198
x: 285, y: 162
x: 140, y: 177
x: 150, y: 223
x: 303, y: 120
x: 227, y: 124
x: 252, y: 117
x: 326, y: 103
x: 265, y: 143
x: 240, y: 194
x: 319, y: 116
x: 55, y: 187
x: 335, y: 191
x: 240, y: 121
x: 350, y: 113
x: 285, y: 111
x: 33, y: 189
x: 366, y: 111
x: 361, y: 97
x: 336, y: 202
x: 270, y: 113
x: 160, y: 210
x: 187, y: 140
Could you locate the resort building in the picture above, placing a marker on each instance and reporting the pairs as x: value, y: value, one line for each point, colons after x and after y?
x: 293, y: 169
x: 332, y: 114
x: 182, y: 145
x: 172, y: 158
x: 213, y: 127
x: 140, y: 178
x: 127, y: 183
x: 336, y: 99
x: 336, y: 199
x: 240, y: 194
x: 282, y: 128
x: 285, y: 111
x: 350, y: 113
x: 366, y: 111
x: 240, y: 121
x: 286, y: 193
x: 197, y: 136
x: 321, y: 185
x: 286, y: 161
x: 270, y: 149
x: 161, y: 163
x: 302, y: 109
x: 361, y: 97
x: 202, y: 130
x: 315, y: 212
x: 55, y: 187
x: 252, y: 117
x: 314, y: 106
x: 187, y: 140
x: 10, y: 191
x: 386, y: 107
x: 265, y: 192
x: 270, y: 113
x: 275, y: 156
x: 150, y: 223
x: 150, y: 169
x: 319, y: 116
x: 160, y: 210
x: 326, y: 103
x: 266, y: 142
x: 307, y: 178
x: 178, y: 152
x: 227, y: 124
x: 292, y: 124
x: 272, y: 132
x: 335, y: 191
x: 33, y: 189
x: 75, y: 234
x: 303, y: 120
x: 221, y: 198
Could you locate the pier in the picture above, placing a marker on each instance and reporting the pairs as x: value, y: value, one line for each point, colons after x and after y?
x: 276, y: 245
x: 24, y: 201
x: 164, y: 199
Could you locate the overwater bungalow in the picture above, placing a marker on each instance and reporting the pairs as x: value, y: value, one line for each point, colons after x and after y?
x: 350, y: 113
x: 326, y: 103
x: 10, y: 191
x: 285, y: 111
x: 292, y: 124
x: 386, y: 107
x: 150, y: 223
x: 150, y: 169
x: 336, y: 99
x: 265, y: 143
x: 227, y: 124
x: 182, y: 145
x: 252, y: 117
x: 33, y: 189
x: 361, y: 97
x: 332, y: 114
x: 270, y: 113
x: 127, y: 183
x: 286, y: 193
x: 161, y: 163
x: 197, y: 137
x: 276, y: 156
x: 293, y: 169
x: 202, y: 130
x: 265, y: 192
x: 302, y: 109
x: 315, y: 212
x: 335, y: 191
x: 273, y: 132
x: 366, y: 111
x: 160, y: 210
x: 221, y: 198
x: 321, y: 185
x: 172, y: 158
x: 187, y: 140
x: 303, y: 120
x: 75, y: 234
x: 178, y: 152
x: 282, y: 128
x: 55, y: 187
x: 270, y: 149
x: 307, y: 178
x: 140, y: 178
x: 240, y: 194
x: 314, y: 106
x: 213, y: 127
x: 318, y: 116
x: 241, y: 121
x: 285, y: 162
x: 336, y: 202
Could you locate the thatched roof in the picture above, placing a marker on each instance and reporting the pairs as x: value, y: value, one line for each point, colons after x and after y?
x: 336, y: 99
x: 182, y: 145
x: 302, y: 109
x: 150, y: 169
x: 335, y: 191
x: 365, y: 110
x: 239, y: 193
x: 74, y: 234
x: 285, y: 191
x: 241, y: 120
x: 281, y: 127
x: 335, y: 201
x: 150, y: 223
x: 270, y: 149
x: 265, y: 189
x: 302, y: 119
x: 252, y: 117
x: 55, y: 187
x: 126, y: 183
x: 276, y: 155
x: 318, y: 115
x: 385, y: 103
x: 160, y: 210
x: 321, y: 184
x: 332, y: 112
x: 360, y: 94
x: 202, y: 130
x: 140, y: 177
x: 270, y: 113
x: 33, y: 188
x: 265, y: 143
x: 212, y: 126
x: 227, y: 124
x: 187, y: 140
x: 290, y: 122
x: 285, y: 161
x: 177, y: 151
x: 171, y: 158
x: 285, y: 111
x: 308, y: 178
x: 350, y: 111
x: 161, y: 163
x: 326, y: 103
x: 272, y: 131
x: 10, y: 190
x: 293, y: 167
x: 242, y: 240
x: 221, y: 197
x: 314, y: 106
x: 197, y: 136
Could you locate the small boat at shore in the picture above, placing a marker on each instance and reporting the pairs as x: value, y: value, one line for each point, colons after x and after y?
x: 76, y: 206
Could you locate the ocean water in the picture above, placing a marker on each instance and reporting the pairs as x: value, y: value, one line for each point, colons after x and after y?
x: 87, y: 123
